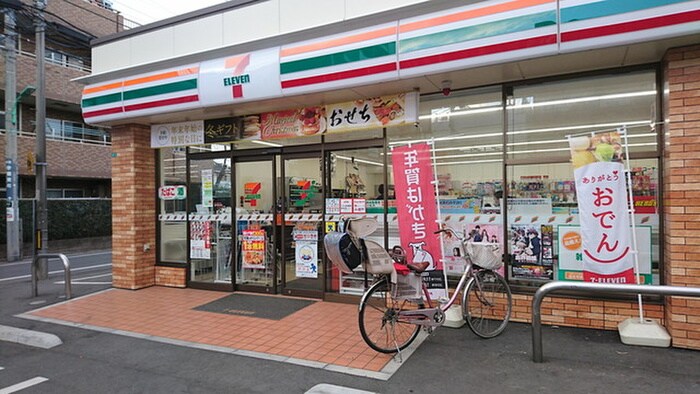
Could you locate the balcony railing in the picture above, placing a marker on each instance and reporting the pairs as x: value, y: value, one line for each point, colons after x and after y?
x: 82, y: 135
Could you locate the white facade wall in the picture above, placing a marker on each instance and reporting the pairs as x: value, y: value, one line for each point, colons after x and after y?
x: 245, y: 24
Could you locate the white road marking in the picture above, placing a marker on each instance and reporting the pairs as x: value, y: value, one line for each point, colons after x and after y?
x: 58, y: 272
x: 23, y: 385
x: 52, y: 259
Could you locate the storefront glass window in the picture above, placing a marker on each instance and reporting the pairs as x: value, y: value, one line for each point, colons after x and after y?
x: 467, y: 132
x: 541, y: 116
x: 172, y: 205
x: 544, y: 241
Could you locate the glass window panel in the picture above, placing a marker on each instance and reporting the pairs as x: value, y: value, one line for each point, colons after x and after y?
x: 541, y: 116
x: 172, y: 212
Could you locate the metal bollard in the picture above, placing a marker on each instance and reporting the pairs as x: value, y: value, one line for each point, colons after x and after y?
x: 36, y: 268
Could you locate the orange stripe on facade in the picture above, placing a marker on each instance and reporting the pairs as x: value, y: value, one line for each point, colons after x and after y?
x: 102, y: 88
x: 339, y: 41
x: 470, y: 14
x: 161, y: 76
x: 151, y: 78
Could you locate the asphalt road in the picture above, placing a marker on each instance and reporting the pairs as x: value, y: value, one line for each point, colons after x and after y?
x: 450, y: 361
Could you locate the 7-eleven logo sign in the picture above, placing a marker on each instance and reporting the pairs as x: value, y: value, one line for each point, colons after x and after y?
x: 237, y: 64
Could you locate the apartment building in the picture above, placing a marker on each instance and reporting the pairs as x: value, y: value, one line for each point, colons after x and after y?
x: 78, y: 155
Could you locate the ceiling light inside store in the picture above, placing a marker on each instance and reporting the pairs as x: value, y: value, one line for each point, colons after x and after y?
x: 356, y: 160
x: 267, y: 143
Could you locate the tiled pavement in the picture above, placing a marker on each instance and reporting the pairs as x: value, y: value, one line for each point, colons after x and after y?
x: 322, y: 335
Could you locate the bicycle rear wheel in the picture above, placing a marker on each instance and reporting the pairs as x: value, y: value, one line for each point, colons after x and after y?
x: 381, y: 325
x: 487, y: 304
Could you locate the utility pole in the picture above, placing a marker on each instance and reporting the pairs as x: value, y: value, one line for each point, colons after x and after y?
x: 12, y: 210
x: 41, y: 229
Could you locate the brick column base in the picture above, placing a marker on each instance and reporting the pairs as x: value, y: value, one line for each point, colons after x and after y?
x: 681, y: 185
x: 133, y: 207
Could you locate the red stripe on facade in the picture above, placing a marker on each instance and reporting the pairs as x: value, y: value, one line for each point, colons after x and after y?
x: 359, y: 72
x: 102, y: 112
x: 480, y: 51
x: 161, y: 103
x: 627, y: 27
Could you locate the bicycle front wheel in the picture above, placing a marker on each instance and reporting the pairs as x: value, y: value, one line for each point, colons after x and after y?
x: 381, y: 324
x: 487, y: 304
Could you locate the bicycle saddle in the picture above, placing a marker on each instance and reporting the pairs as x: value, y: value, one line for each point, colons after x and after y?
x: 418, y: 267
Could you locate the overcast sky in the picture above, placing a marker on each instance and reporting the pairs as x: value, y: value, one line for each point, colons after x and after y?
x: 147, y: 11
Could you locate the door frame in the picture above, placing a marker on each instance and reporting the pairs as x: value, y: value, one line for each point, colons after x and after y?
x: 312, y: 152
x: 258, y: 156
x: 189, y: 282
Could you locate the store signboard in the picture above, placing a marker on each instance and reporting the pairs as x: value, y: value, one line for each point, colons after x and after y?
x: 253, y: 248
x: 293, y: 123
x: 570, y: 247
x: 240, y: 78
x: 172, y: 192
x: 177, y: 134
x: 608, y: 255
x: 375, y: 112
x: 417, y: 211
x: 222, y: 130
x: 207, y: 188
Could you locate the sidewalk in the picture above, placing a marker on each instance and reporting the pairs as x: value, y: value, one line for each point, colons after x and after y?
x: 321, y: 335
x: 320, y: 343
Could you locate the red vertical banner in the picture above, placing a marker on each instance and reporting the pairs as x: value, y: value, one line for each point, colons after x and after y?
x: 416, y: 208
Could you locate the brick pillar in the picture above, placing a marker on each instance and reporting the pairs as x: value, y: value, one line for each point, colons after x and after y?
x: 681, y: 185
x: 133, y: 207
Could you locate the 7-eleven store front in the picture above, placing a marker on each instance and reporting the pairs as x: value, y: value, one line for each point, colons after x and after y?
x: 231, y: 160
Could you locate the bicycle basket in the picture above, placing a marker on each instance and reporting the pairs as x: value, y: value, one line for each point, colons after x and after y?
x: 484, y: 254
x: 378, y: 259
x: 342, y: 252
x: 407, y: 287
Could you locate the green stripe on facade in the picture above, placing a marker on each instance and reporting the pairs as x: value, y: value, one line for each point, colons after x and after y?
x: 161, y: 89
x: 335, y: 59
x: 475, y: 32
x: 100, y: 100
x: 610, y: 7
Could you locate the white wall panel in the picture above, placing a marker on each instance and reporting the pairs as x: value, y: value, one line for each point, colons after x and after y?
x: 199, y: 35
x: 112, y: 56
x: 298, y: 15
x: 357, y: 8
x: 151, y: 46
x: 251, y: 23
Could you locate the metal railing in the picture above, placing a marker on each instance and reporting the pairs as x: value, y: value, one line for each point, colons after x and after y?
x: 593, y: 288
x: 36, y: 272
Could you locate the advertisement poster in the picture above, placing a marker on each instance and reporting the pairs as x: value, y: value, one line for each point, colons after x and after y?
x: 207, y: 188
x: 177, y: 134
x: 528, y: 257
x: 602, y: 202
x: 570, y: 248
x: 253, y: 248
x: 293, y: 123
x: 200, y: 240
x: 417, y: 212
x: 374, y: 112
x: 306, y: 254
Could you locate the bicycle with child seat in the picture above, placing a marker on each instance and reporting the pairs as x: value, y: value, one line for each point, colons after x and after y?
x: 390, y: 322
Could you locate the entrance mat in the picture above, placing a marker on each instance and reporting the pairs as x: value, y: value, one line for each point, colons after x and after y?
x: 264, y: 307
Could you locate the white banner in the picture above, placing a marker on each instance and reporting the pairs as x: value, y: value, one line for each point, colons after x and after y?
x: 603, y: 209
x: 177, y: 134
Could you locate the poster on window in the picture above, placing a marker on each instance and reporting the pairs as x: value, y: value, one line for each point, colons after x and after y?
x: 531, y: 253
x: 253, y: 248
x: 207, y: 188
x: 602, y: 201
x: 200, y: 240
x: 417, y: 212
x: 570, y: 249
x: 306, y: 254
